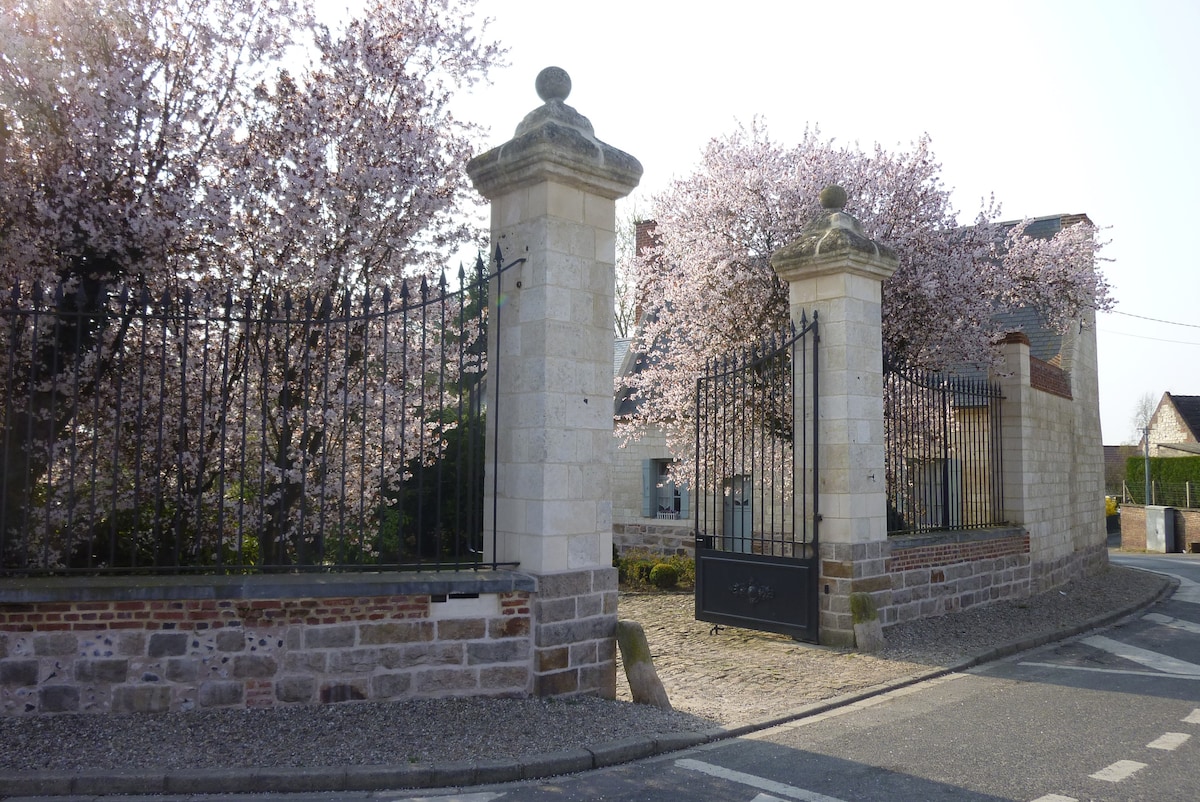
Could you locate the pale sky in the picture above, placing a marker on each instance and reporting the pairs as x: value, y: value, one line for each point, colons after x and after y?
x: 1054, y: 106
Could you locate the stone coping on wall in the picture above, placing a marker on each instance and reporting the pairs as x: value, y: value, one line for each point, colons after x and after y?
x: 27, y: 590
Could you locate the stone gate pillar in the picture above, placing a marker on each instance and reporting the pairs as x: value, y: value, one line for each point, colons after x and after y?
x: 553, y: 189
x: 835, y: 270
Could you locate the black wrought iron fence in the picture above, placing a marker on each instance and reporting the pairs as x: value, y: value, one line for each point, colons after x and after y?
x: 942, y: 452
x: 240, y: 434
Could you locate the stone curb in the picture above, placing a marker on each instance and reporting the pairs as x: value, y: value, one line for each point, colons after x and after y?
x: 467, y: 773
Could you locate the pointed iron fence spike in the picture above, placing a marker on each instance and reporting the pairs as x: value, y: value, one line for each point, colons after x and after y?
x: 387, y: 296
x: 424, y: 288
x: 499, y: 257
x: 442, y: 283
x: 228, y: 302
x: 309, y: 307
x: 462, y: 275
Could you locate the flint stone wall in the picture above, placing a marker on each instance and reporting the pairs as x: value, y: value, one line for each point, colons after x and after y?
x: 172, y: 644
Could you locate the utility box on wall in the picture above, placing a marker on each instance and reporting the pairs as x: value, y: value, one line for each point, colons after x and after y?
x: 1160, y: 529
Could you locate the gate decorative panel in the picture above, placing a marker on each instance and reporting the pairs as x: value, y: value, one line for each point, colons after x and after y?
x: 755, y: 480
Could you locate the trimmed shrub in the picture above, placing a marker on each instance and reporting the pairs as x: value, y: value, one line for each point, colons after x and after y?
x: 636, y: 566
x: 664, y: 576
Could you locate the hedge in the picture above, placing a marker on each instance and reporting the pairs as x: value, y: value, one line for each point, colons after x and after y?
x: 1168, y: 470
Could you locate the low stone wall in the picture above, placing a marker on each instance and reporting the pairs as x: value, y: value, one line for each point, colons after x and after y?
x: 184, y: 643
x: 947, y: 571
x: 665, y: 538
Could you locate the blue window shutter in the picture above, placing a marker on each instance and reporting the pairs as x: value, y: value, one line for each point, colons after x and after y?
x: 649, y: 490
x: 684, y: 512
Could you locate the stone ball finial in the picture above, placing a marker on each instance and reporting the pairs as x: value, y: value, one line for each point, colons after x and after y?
x: 833, y: 198
x: 553, y: 83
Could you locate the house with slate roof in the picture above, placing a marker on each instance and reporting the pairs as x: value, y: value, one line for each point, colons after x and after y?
x: 1175, y: 427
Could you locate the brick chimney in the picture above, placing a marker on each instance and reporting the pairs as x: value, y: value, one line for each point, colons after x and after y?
x: 645, y: 238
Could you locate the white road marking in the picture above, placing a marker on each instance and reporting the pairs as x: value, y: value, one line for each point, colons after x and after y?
x: 1095, y: 670
x: 1121, y: 770
x: 1189, y: 591
x: 1169, y: 741
x: 1173, y: 623
x: 1055, y: 798
x: 480, y: 797
x: 761, y: 783
x: 766, y: 798
x: 1160, y: 662
x: 1192, y: 717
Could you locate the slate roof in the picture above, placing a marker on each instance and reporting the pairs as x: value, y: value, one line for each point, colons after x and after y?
x: 1188, y: 407
x: 620, y: 349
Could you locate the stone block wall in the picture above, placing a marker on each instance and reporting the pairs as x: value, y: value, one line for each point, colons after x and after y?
x: 135, y: 655
x: 575, y: 625
x: 945, y: 572
x: 659, y: 537
x: 916, y: 576
x: 851, y: 568
x: 1053, y: 460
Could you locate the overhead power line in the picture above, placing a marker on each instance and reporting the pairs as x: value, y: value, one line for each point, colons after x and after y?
x: 1143, y: 337
x: 1155, y: 320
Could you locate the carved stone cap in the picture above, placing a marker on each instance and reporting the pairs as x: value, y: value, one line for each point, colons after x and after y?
x: 555, y: 141
x: 832, y: 236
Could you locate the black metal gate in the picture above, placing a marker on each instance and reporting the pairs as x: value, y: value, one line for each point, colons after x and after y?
x: 755, y: 478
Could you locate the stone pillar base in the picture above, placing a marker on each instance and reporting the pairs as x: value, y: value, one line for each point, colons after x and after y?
x: 574, y: 631
x: 851, y: 568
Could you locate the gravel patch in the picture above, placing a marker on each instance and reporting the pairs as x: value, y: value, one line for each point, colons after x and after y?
x: 730, y: 679
x: 419, y: 731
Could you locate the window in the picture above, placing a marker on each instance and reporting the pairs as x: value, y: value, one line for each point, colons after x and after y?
x: 662, y: 498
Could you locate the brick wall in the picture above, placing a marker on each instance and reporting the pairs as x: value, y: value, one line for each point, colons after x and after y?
x: 1133, y: 528
x: 1049, y: 378
x: 157, y: 654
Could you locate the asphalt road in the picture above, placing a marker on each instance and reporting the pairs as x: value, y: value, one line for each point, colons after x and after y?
x: 1112, y: 716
